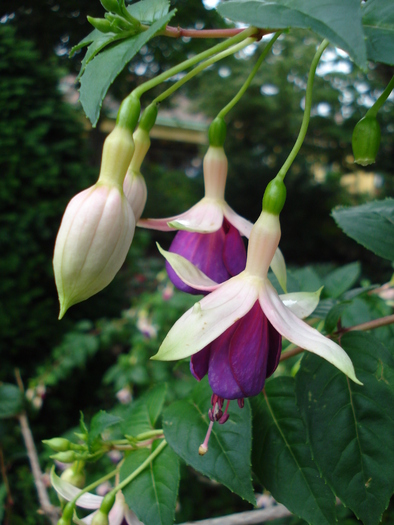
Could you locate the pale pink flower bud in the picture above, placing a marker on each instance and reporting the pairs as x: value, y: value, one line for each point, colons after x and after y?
x: 97, y: 228
x: 134, y: 186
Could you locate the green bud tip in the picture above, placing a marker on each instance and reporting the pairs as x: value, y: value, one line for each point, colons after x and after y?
x: 129, y: 113
x: 108, y: 502
x: 366, y: 140
x: 217, y: 132
x: 99, y: 23
x: 57, y: 444
x: 274, y: 196
x: 148, y: 117
x: 65, y: 457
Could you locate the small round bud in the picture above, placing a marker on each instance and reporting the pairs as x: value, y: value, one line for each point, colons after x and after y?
x: 100, y: 518
x: 148, y: 117
x: 65, y: 457
x: 58, y: 444
x: 366, y: 140
x: 129, y: 113
x: 101, y: 24
x: 217, y: 132
x: 76, y: 478
x: 274, y: 197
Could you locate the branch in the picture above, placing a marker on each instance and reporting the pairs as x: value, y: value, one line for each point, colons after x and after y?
x: 46, y: 507
x: 253, y: 517
x: 178, y: 32
x: 363, y: 327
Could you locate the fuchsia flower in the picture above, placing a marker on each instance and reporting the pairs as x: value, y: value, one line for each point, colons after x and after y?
x: 234, y: 333
x: 119, y: 512
x: 210, y: 236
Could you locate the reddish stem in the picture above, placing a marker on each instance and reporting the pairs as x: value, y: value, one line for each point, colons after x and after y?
x: 178, y: 32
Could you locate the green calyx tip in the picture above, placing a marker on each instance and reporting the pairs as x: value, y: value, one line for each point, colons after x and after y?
x: 274, y: 197
x: 148, y: 117
x: 129, y: 113
x: 366, y: 140
x: 217, y: 132
x: 107, y: 503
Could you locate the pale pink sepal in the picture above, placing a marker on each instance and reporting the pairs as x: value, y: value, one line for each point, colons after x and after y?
x: 242, y: 225
x: 209, y: 318
x: 69, y: 492
x: 300, y: 333
x: 278, y: 266
x: 204, y: 217
x: 301, y: 304
x: 189, y: 273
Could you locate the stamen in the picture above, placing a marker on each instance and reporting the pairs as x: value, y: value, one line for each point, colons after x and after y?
x: 203, y: 448
x: 241, y: 402
x: 225, y: 416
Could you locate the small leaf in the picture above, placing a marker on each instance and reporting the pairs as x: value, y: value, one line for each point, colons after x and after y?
x: 334, y: 315
x: 152, y: 494
x: 342, y: 279
x: 106, y: 66
x: 11, y: 400
x: 185, y: 424
x: 378, y: 22
x: 371, y: 225
x: 351, y: 427
x: 99, y: 423
x: 148, y: 11
x: 330, y: 20
x: 282, y: 458
x: 85, y: 41
x: 144, y: 412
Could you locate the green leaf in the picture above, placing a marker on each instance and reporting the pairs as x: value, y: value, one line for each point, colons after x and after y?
x: 334, y: 315
x: 185, y: 424
x: 148, y: 11
x: 11, y: 400
x: 330, y: 19
x: 98, y: 45
x: 371, y: 225
x: 281, y: 456
x: 106, y: 66
x: 85, y: 41
x: 378, y: 21
x: 351, y: 427
x: 342, y: 279
x: 99, y: 423
x: 144, y: 413
x: 152, y: 494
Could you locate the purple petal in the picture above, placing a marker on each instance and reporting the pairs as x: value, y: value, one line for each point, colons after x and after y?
x: 234, y: 252
x: 199, y: 363
x: 249, y: 350
x: 204, y: 250
x: 275, y: 349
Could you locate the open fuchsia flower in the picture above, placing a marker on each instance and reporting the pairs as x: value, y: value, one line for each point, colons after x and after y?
x: 119, y: 512
x: 234, y: 333
x: 210, y: 231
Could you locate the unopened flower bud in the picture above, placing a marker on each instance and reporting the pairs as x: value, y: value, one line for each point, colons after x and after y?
x: 366, y: 140
x: 134, y: 186
x: 101, y: 24
x: 74, y: 477
x: 57, y: 444
x: 97, y: 228
x: 65, y: 457
x: 100, y: 518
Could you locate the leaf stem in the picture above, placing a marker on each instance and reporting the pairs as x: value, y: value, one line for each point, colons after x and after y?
x: 307, y: 112
x: 246, y: 84
x: 372, y: 112
x: 178, y: 32
x: 140, y: 90
x: 203, y: 65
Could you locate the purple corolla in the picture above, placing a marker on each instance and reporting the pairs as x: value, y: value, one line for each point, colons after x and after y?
x: 210, y: 231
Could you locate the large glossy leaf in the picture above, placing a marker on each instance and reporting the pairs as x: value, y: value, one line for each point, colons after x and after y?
x: 106, y: 66
x: 342, y: 279
x: 371, y: 224
x: 351, y: 427
x: 152, y: 494
x: 144, y: 412
x: 330, y: 19
x: 185, y: 424
x: 148, y: 11
x: 378, y: 21
x: 282, y: 458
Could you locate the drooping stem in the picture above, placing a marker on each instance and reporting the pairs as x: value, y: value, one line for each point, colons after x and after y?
x: 372, y: 112
x: 307, y: 112
x: 202, y: 66
x: 247, y: 82
x: 140, y: 90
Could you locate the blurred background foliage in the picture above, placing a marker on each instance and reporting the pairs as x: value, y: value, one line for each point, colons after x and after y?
x: 48, y: 153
